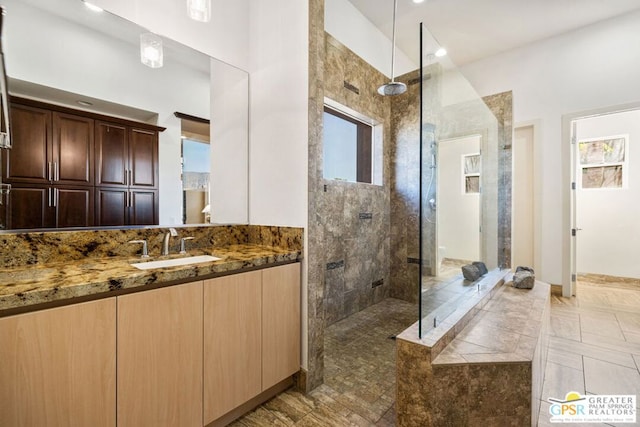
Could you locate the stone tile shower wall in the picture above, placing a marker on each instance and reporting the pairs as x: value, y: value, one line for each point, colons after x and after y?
x: 405, y: 190
x: 355, y: 216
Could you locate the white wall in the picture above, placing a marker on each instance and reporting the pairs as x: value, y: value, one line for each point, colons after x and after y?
x: 522, y: 235
x: 458, y: 213
x: 586, y: 69
x: 229, y: 144
x: 344, y: 22
x: 608, y: 241
x: 279, y: 112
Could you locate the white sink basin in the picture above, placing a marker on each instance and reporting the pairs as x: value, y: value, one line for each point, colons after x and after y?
x: 174, y: 262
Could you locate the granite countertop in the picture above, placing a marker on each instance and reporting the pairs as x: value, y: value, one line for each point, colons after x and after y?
x: 505, y: 330
x: 21, y: 287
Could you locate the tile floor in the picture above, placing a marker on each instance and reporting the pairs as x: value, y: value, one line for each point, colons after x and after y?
x: 594, y: 348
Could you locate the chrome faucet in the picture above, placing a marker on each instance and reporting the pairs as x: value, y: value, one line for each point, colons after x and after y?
x: 165, y: 243
x: 145, y: 251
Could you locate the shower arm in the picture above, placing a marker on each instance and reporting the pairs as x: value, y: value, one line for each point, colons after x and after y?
x: 393, y: 42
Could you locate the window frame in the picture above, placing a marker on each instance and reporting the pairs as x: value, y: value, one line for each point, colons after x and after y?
x: 364, y: 145
x: 624, y: 164
x: 465, y: 175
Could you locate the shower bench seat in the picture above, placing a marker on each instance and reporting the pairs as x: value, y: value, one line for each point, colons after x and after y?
x: 485, y: 366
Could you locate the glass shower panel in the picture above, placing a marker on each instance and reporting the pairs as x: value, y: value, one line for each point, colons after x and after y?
x: 459, y: 169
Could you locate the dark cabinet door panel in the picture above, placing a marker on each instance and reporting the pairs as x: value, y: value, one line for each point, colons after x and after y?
x: 30, y: 158
x: 112, y: 206
x: 143, y: 149
x: 112, y: 157
x: 144, y: 207
x: 74, y: 207
x: 30, y: 207
x: 72, y: 149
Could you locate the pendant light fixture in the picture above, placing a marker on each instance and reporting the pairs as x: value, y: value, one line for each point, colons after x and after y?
x: 151, y: 53
x: 199, y: 10
x: 393, y: 87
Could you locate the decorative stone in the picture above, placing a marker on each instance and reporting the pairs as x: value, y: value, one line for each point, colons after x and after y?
x: 481, y: 266
x: 523, y: 279
x: 523, y: 268
x: 470, y: 272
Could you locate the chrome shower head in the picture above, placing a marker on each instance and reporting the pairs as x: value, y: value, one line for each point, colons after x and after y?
x: 392, y: 88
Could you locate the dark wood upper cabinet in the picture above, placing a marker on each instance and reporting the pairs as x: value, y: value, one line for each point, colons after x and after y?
x: 112, y: 158
x: 143, y: 150
x: 29, y: 159
x: 72, y: 149
x: 71, y: 168
x: 126, y: 156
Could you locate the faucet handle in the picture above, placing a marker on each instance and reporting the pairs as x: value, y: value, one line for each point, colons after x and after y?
x: 145, y: 250
x: 183, y: 245
x: 173, y: 232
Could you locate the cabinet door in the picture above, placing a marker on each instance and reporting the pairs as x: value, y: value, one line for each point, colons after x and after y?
x: 112, y: 154
x: 72, y: 149
x: 30, y: 158
x: 232, y: 342
x: 143, y: 209
x: 112, y: 206
x: 280, y: 323
x: 160, y: 357
x: 73, y: 206
x: 30, y: 206
x: 58, y: 366
x: 143, y: 151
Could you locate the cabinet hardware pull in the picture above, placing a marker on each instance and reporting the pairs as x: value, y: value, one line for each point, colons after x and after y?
x: 56, y: 174
x: 56, y: 195
x: 49, y: 197
x: 49, y: 170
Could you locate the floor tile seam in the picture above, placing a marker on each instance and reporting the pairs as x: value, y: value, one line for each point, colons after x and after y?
x: 623, y: 347
x: 564, y: 366
x: 580, y: 352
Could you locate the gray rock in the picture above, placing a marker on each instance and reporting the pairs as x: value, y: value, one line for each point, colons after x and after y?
x: 524, y: 279
x: 522, y: 268
x: 482, y: 268
x: 470, y: 272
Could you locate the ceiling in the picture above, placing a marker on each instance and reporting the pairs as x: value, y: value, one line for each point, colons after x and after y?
x: 474, y: 29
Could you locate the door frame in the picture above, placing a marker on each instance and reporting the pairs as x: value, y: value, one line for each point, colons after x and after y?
x: 568, y: 155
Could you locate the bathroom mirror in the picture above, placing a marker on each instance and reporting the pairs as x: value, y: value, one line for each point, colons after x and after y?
x: 60, y: 52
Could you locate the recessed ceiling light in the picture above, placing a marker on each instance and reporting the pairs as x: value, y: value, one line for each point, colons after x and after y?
x: 93, y: 7
x: 183, y: 137
x: 84, y: 103
x: 441, y: 52
x: 418, y: 1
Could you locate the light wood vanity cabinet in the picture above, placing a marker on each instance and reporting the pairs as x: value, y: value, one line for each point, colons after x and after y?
x: 183, y: 352
x: 251, y: 334
x: 280, y: 323
x: 232, y: 342
x: 160, y: 357
x: 58, y: 366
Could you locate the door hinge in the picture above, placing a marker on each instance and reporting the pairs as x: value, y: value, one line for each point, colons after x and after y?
x: 573, y: 139
x: 573, y: 277
x: 573, y: 185
x: 573, y: 232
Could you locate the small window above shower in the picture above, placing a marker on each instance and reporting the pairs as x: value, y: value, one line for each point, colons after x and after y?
x: 352, y: 146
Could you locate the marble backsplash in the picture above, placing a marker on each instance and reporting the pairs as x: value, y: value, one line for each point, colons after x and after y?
x: 29, y: 248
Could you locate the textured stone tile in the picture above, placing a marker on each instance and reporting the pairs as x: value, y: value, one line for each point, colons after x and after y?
x: 559, y: 380
x: 564, y: 327
x: 607, y: 378
x: 493, y: 388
